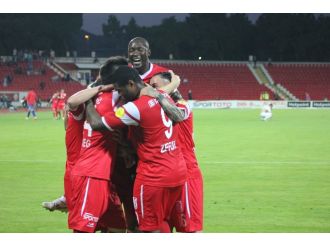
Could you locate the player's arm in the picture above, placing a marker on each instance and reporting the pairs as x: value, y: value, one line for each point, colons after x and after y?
x: 173, y: 85
x: 110, y: 121
x: 82, y: 96
x: 93, y: 117
x: 171, y: 110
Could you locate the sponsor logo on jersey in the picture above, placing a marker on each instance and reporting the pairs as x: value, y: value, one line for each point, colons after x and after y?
x: 91, y: 219
x: 120, y: 112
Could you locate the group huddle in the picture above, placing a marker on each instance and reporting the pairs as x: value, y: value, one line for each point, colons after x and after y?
x: 131, y: 164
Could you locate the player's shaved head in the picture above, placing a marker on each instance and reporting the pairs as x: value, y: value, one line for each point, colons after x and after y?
x: 138, y: 54
x: 139, y: 40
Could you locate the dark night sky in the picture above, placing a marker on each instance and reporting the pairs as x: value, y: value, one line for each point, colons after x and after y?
x: 93, y: 22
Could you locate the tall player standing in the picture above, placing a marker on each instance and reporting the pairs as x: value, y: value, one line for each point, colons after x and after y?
x: 138, y: 55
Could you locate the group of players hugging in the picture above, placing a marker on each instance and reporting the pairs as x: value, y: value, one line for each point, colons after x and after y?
x: 131, y: 163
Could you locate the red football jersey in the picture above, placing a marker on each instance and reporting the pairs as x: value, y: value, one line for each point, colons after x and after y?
x: 98, y: 150
x: 31, y: 97
x: 160, y: 160
x: 186, y: 141
x: 61, y: 98
x: 153, y: 70
x: 74, y: 134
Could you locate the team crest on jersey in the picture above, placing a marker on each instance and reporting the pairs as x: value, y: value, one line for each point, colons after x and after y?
x: 120, y: 112
x: 152, y: 102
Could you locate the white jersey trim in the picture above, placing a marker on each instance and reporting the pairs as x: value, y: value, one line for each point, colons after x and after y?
x: 85, y: 197
x: 187, y: 199
x: 186, y: 109
x: 106, y: 124
x: 141, y: 199
x: 148, y: 72
x: 132, y: 114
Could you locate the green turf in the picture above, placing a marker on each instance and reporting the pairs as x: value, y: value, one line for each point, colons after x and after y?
x: 258, y: 176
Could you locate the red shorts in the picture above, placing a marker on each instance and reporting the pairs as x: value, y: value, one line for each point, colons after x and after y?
x: 54, y: 108
x: 154, y: 205
x: 90, y: 199
x: 60, y: 106
x: 114, y: 217
x: 188, y: 214
x: 68, y: 184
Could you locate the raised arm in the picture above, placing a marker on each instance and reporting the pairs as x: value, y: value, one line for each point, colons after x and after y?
x: 171, y: 110
x: 173, y: 85
x: 82, y: 96
x: 93, y: 117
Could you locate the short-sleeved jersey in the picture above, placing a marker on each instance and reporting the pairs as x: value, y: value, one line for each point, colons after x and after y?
x: 153, y: 70
x: 98, y: 149
x: 74, y: 134
x: 31, y: 97
x: 61, y: 98
x: 54, y: 102
x: 186, y: 141
x: 161, y: 162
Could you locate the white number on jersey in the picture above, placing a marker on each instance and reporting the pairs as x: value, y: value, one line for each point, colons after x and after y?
x: 167, y: 123
x: 88, y: 127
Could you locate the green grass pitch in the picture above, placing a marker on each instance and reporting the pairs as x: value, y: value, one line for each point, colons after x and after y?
x: 258, y: 176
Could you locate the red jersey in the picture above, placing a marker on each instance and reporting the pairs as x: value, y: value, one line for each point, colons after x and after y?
x: 74, y: 134
x: 61, y: 98
x: 153, y: 70
x: 186, y: 141
x: 31, y: 98
x: 98, y: 150
x: 160, y: 160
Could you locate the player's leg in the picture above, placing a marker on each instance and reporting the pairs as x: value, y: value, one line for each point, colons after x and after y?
x: 194, y: 202
x: 57, y: 204
x: 90, y: 202
x: 149, y: 204
x: 113, y: 220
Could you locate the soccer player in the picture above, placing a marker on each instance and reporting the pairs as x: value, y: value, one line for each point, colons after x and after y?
x: 189, y: 215
x: 161, y: 170
x: 54, y: 102
x: 113, y: 219
x: 138, y: 55
x: 61, y: 103
x: 31, y: 100
x: 92, y: 189
x: 266, y: 112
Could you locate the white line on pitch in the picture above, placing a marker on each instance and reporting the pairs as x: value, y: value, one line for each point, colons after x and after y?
x: 33, y: 161
x: 268, y: 162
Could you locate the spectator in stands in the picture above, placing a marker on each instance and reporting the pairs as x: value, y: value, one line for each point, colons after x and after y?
x: 5, y: 82
x: 190, y: 95
x: 307, y: 97
x: 15, y: 97
x: 42, y: 85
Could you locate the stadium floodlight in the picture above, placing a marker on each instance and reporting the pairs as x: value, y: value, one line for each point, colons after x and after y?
x: 199, y: 58
x: 86, y: 37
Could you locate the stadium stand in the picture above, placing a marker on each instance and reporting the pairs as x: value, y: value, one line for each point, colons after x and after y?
x: 300, y: 79
x: 25, y: 77
x: 217, y: 81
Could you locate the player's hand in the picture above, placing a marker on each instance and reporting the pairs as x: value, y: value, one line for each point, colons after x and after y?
x: 175, y: 78
x: 106, y: 88
x: 149, y: 91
